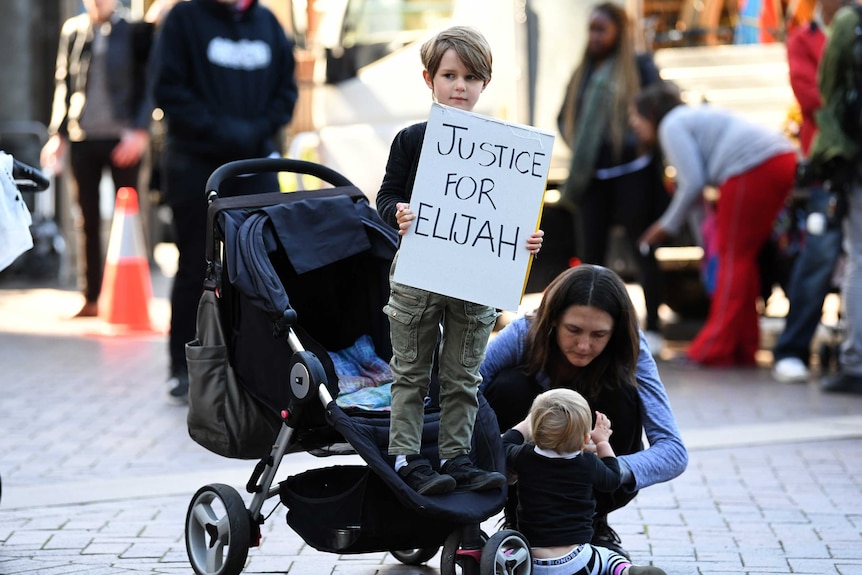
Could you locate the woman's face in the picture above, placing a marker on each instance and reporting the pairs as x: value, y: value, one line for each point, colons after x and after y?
x: 642, y: 127
x: 603, y: 35
x: 583, y: 332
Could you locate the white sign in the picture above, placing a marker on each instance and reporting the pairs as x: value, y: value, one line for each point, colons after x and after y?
x: 477, y: 198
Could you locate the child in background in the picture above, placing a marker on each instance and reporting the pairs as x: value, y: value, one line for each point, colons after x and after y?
x: 457, y: 66
x: 557, y: 471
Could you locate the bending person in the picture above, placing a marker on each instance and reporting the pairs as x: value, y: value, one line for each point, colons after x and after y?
x: 584, y: 336
x: 754, y: 167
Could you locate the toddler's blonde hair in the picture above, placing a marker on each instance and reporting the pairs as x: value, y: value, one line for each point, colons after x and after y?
x: 561, y: 419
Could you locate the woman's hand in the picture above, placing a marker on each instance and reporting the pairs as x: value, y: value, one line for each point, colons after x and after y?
x: 534, y: 242
x: 654, y: 235
x: 404, y: 216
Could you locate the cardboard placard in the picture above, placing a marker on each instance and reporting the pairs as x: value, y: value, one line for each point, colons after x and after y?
x: 477, y: 198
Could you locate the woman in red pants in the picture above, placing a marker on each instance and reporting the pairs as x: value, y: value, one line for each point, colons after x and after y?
x: 754, y: 168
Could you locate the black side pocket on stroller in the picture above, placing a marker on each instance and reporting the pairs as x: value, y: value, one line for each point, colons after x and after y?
x: 350, y: 509
x: 223, y: 417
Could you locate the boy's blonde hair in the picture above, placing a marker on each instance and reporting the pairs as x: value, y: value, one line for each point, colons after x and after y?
x: 560, y: 420
x: 468, y: 43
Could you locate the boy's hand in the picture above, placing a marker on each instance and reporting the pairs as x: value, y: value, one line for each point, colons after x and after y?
x: 534, y: 242
x: 602, y: 430
x: 404, y: 216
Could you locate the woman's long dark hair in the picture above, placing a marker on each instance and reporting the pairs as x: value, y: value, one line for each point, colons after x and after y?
x: 591, y: 286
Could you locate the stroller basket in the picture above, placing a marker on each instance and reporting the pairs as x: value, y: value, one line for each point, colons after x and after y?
x: 350, y: 509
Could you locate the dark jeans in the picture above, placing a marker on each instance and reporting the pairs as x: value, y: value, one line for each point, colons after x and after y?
x: 633, y: 201
x: 809, y: 284
x: 510, y: 394
x: 88, y: 159
x: 185, y: 182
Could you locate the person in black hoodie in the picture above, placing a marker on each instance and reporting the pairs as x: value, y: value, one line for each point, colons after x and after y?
x: 223, y: 74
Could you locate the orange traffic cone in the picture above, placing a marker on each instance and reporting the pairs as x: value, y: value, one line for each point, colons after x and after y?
x: 126, y: 286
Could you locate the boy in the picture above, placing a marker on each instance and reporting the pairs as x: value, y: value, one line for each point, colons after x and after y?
x: 457, y: 68
x: 556, y: 477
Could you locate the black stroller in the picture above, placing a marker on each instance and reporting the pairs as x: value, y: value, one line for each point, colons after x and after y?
x: 295, y: 276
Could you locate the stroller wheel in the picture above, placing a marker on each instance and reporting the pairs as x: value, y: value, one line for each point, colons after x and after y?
x: 456, y: 561
x: 218, y: 532
x: 506, y: 553
x: 415, y: 556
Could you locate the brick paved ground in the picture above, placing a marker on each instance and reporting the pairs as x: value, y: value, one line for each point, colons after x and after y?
x: 98, y: 470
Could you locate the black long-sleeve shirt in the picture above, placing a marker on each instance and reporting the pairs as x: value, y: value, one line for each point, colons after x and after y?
x: 400, y: 174
x: 555, y: 494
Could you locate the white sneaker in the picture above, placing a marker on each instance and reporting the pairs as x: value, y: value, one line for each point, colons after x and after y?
x: 790, y: 369
x: 655, y: 341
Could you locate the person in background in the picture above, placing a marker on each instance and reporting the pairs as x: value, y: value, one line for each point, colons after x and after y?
x: 457, y: 68
x: 584, y: 336
x: 836, y: 154
x: 754, y: 168
x: 811, y: 276
x: 612, y: 180
x: 101, y: 114
x: 559, y: 461
x: 223, y: 74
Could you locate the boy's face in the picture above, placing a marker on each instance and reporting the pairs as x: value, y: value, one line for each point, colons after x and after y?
x: 453, y: 85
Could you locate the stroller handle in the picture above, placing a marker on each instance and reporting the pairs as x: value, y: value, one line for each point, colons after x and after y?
x: 268, y: 165
x: 28, y: 178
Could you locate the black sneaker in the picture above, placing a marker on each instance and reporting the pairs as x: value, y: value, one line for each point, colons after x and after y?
x: 470, y: 477
x: 419, y: 475
x: 604, y: 536
x: 178, y: 389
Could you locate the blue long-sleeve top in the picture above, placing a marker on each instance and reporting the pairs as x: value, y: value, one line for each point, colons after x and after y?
x: 666, y: 456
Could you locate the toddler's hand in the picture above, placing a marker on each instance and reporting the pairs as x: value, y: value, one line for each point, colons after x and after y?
x: 404, y: 216
x: 602, y: 430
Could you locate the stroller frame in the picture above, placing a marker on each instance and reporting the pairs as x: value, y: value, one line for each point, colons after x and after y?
x: 220, y: 529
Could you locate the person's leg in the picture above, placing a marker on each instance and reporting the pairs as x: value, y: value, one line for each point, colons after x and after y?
x: 851, y: 291
x: 414, y: 317
x: 189, y: 217
x: 466, y: 329
x: 849, y: 379
x: 809, y: 283
x: 182, y: 176
x: 746, y: 210
x: 635, y: 196
x: 510, y: 395
x: 595, y: 211
x: 87, y: 160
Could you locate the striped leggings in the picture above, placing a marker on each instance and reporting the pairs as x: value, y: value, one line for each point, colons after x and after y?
x: 585, y: 559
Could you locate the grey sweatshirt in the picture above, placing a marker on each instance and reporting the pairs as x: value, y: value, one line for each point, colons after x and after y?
x: 708, y: 146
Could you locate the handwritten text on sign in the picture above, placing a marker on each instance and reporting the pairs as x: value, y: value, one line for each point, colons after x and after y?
x: 477, y: 198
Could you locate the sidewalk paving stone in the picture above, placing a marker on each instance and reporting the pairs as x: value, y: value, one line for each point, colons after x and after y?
x: 98, y: 470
